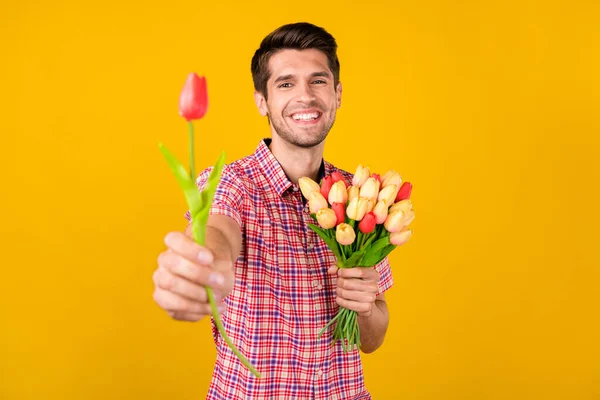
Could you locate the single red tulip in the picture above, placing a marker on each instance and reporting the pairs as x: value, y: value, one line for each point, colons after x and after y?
x: 193, y: 100
x: 326, y: 185
x: 338, y: 177
x: 404, y: 192
x: 367, y: 224
x: 340, y: 212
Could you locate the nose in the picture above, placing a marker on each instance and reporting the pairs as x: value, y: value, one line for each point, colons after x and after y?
x: 305, y: 93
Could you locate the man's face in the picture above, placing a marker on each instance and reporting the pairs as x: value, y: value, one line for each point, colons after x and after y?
x: 302, y: 99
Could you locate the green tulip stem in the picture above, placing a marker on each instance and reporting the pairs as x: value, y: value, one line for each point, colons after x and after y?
x: 192, y: 162
x: 217, y: 318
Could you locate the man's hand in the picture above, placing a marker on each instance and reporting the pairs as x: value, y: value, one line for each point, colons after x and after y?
x: 356, y: 288
x: 183, y: 271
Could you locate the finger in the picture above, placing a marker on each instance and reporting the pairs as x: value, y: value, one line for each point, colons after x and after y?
x: 332, y: 270
x: 358, y: 285
x: 193, y: 317
x: 362, y: 297
x: 164, y: 279
x: 184, y: 245
x: 369, y: 273
x: 184, y: 316
x: 198, y: 274
x: 172, y: 302
x: 363, y: 309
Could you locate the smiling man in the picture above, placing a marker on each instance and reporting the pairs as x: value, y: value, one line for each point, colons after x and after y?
x: 275, y: 278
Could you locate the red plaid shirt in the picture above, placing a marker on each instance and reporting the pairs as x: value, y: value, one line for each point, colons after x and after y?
x: 282, y: 295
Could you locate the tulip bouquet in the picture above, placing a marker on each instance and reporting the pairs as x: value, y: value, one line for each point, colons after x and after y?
x: 193, y: 104
x: 361, y: 222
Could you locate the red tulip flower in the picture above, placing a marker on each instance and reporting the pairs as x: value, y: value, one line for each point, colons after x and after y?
x: 404, y: 192
x: 367, y: 224
x: 193, y: 100
x: 340, y: 212
x: 338, y: 177
x: 326, y: 186
x: 193, y: 103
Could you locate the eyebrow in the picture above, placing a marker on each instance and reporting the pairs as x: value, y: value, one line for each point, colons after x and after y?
x: 324, y: 74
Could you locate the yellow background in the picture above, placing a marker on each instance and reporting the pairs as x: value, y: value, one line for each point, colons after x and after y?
x: 491, y: 109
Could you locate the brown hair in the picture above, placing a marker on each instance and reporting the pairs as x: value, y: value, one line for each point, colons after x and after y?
x: 297, y: 36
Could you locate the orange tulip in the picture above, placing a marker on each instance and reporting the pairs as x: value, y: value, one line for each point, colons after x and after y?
x: 381, y: 211
x: 404, y: 205
x: 391, y: 178
x: 338, y: 193
x: 326, y: 218
x: 371, y: 204
x: 409, y: 217
x: 353, y: 192
x: 394, y: 221
x: 307, y: 186
x: 399, y: 238
x: 316, y: 201
x: 357, y: 208
x: 344, y: 234
x: 388, y: 193
x: 361, y: 175
x: 370, y: 189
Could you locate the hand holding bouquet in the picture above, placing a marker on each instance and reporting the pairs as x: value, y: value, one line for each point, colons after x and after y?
x: 361, y: 223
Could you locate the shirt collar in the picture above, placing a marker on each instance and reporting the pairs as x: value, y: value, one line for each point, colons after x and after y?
x: 273, y: 170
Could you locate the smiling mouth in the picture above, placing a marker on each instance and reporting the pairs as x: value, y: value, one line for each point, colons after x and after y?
x: 306, y: 117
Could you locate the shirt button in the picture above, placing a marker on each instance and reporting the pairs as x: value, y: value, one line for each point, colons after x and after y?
x: 315, y: 283
x: 294, y: 188
x: 319, y: 286
x: 319, y: 373
x: 311, y: 246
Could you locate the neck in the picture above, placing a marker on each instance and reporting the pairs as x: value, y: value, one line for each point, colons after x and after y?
x: 297, y: 161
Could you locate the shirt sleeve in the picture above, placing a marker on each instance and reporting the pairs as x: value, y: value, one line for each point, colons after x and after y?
x: 229, y: 195
x: 386, y: 280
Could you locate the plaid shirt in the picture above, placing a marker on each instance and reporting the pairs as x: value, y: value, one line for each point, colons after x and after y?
x: 282, y: 295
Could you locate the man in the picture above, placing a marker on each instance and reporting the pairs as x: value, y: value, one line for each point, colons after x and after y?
x: 276, y: 277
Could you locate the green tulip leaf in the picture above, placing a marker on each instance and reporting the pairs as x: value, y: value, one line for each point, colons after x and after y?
x: 190, y: 190
x: 329, y: 241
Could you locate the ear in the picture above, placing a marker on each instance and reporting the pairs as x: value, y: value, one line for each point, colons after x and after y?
x: 261, y: 103
x: 338, y: 92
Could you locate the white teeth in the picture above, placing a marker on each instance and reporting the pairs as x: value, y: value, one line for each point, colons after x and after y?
x: 305, y: 117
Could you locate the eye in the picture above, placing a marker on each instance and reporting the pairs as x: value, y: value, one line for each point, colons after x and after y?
x: 285, y: 85
x: 320, y: 82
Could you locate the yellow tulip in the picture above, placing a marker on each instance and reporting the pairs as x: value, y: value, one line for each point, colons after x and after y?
x: 391, y: 178
x: 326, y: 218
x: 394, y: 221
x: 371, y: 205
x: 399, y: 238
x: 370, y: 189
x: 380, y: 211
x: 338, y: 193
x: 361, y: 175
x: 409, y: 217
x: 388, y: 193
x: 403, y: 205
x: 353, y: 192
x: 357, y: 208
x: 307, y: 186
x: 344, y: 234
x: 316, y: 201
